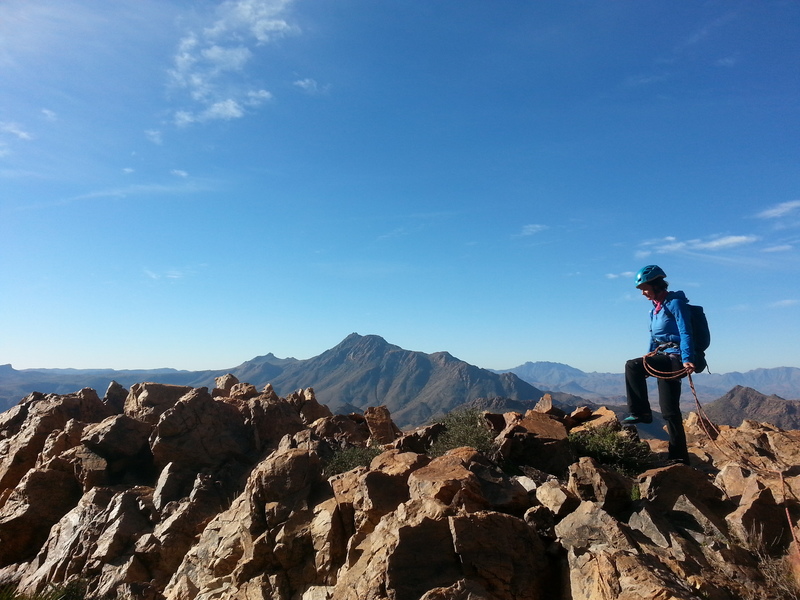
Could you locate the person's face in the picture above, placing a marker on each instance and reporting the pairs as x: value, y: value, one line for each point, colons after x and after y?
x: 648, y: 291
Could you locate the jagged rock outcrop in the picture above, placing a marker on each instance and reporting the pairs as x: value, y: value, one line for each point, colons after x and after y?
x: 181, y: 494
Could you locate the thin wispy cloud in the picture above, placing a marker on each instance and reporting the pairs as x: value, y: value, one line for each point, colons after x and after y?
x: 188, y: 186
x: 310, y: 86
x: 727, y: 62
x: 703, y: 33
x: 179, y: 173
x: 170, y: 274
x: 531, y: 229
x: 672, y: 244
x: 625, y: 275
x: 397, y: 232
x: 210, y: 65
x: 15, y: 130
x: 784, y: 209
x: 667, y: 66
x: 49, y: 114
x: 728, y: 241
x: 779, y: 248
x: 784, y: 303
x: 154, y: 136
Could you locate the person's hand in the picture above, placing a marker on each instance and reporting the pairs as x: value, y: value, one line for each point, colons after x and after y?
x: 689, y: 368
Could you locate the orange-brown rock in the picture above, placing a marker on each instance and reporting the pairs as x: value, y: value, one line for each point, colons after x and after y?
x: 148, y: 401
x: 588, y: 480
x: 194, y: 497
x: 600, y: 417
x: 382, y: 429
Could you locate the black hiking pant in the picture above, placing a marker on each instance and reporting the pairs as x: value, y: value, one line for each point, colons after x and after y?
x: 669, y: 398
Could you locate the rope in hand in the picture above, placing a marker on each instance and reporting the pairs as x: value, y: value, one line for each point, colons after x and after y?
x: 706, y: 424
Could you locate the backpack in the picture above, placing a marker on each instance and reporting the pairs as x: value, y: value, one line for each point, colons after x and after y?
x: 701, y: 335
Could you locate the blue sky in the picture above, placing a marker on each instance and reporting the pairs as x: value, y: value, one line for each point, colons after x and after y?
x: 192, y: 184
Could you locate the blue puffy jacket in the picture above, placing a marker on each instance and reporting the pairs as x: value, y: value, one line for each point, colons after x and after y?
x: 673, y: 324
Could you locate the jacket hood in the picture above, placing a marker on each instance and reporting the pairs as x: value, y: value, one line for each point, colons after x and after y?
x: 676, y: 295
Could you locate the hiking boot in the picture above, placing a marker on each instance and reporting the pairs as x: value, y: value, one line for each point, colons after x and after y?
x: 633, y: 419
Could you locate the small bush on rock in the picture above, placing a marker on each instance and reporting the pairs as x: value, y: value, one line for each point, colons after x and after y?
x: 348, y: 459
x: 75, y: 590
x: 463, y: 427
x: 612, y: 448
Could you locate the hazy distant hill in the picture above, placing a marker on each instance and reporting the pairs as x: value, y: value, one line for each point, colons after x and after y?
x: 610, y: 387
x: 14, y: 385
x: 742, y: 403
x: 359, y: 372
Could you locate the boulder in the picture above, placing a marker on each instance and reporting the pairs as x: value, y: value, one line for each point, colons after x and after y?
x: 382, y: 429
x: 176, y: 533
x: 601, y: 417
x: 342, y: 430
x: 88, y: 468
x: 448, y: 481
x: 557, y: 499
x: 115, y: 397
x: 173, y: 484
x: 268, y: 419
x: 542, y: 520
x: 263, y: 541
x: 123, y: 442
x: 384, y: 486
x: 546, y: 406
x: 537, y: 440
x: 759, y: 522
x: 588, y: 480
x: 33, y: 507
x: 664, y: 485
x: 243, y: 391
x: 410, y: 552
x: 223, y: 385
x: 582, y: 413
x: 695, y: 519
x: 732, y: 479
x: 96, y: 542
x: 306, y: 405
x: 502, y: 554
x: 607, y: 573
x: 146, y: 402
x: 198, y: 432
x: 418, y: 440
x: 43, y: 415
x: 61, y: 440
x: 651, y: 524
x: 590, y: 527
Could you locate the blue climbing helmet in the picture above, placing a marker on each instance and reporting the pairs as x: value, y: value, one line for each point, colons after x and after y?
x: 648, y: 274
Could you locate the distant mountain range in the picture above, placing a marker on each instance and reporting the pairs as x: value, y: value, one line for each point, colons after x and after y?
x: 364, y: 371
x: 610, y: 387
x: 359, y: 372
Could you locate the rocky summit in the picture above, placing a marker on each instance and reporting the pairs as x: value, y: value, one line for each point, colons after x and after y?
x: 168, y: 492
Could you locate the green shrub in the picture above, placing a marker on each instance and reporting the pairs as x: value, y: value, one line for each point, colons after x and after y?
x: 74, y: 590
x: 349, y: 458
x: 612, y: 448
x: 463, y: 427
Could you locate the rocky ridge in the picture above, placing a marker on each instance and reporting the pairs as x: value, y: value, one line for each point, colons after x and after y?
x: 729, y: 409
x: 167, y: 492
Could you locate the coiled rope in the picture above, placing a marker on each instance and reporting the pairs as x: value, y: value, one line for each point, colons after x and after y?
x: 706, y: 424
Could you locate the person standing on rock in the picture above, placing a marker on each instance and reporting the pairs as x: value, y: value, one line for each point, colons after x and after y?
x: 670, y: 353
